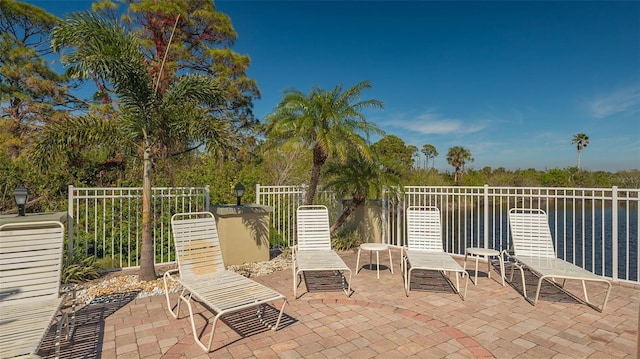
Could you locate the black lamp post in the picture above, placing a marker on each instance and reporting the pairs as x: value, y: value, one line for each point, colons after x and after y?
x: 21, y: 195
x: 239, y: 192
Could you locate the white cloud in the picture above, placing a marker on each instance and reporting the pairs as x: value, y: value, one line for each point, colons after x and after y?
x: 624, y: 100
x: 432, y: 123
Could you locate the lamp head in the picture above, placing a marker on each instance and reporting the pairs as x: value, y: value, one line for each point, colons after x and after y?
x: 239, y: 189
x: 21, y: 195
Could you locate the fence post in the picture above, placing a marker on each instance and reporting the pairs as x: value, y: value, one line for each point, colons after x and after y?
x: 486, y: 216
x: 614, y: 233
x: 257, y: 193
x: 207, y: 198
x: 383, y: 215
x: 70, y: 221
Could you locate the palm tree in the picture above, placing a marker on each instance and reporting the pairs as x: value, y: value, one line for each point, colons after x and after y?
x: 581, y: 141
x: 430, y: 152
x: 149, y: 122
x: 357, y: 177
x: 458, y: 157
x: 329, y: 123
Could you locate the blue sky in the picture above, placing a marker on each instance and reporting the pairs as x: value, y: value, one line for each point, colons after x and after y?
x: 510, y: 81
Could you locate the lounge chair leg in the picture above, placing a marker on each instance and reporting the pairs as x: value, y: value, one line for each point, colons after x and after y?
x: 606, y: 297
x: 535, y: 300
x: 60, y: 326
x: 348, y: 290
x: 584, y: 288
x: 295, y: 295
x: 280, y: 315
x: 165, y: 279
x: 407, y: 280
x: 466, y: 284
x: 213, y: 330
x: 524, y: 285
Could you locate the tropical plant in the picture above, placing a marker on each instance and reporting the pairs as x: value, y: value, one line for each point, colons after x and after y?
x: 357, y: 178
x: 346, y: 239
x: 328, y: 123
x: 430, y: 152
x: 457, y: 157
x: 581, y: 141
x: 150, y: 121
x: 78, y: 268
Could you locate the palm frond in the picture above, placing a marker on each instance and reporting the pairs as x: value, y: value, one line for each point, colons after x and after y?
x: 57, y: 137
x: 106, y: 50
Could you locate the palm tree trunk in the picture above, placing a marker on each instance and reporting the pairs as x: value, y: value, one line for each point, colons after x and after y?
x: 147, y: 268
x: 313, y: 184
x: 578, y: 160
x: 319, y: 158
x: 356, y: 201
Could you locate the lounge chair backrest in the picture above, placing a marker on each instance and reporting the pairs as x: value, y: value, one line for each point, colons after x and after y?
x: 313, y: 228
x: 31, y: 260
x: 198, y: 250
x: 530, y: 233
x: 424, y: 231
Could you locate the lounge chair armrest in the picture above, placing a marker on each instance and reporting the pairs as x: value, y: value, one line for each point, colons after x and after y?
x: 507, y: 255
x: 169, y: 274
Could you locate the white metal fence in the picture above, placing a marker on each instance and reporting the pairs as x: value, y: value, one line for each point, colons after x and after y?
x: 107, y: 222
x: 595, y: 228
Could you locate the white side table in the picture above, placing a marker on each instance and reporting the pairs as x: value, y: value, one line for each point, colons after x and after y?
x: 485, y: 252
x: 374, y: 247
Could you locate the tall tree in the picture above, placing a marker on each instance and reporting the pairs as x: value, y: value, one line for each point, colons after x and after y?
x: 430, y: 152
x: 394, y: 154
x: 457, y: 157
x: 581, y: 141
x: 202, y: 38
x: 357, y: 178
x: 151, y: 121
x: 415, y: 156
x: 330, y: 123
x: 31, y: 92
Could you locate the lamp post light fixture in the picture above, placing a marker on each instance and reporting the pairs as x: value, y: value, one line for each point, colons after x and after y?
x: 239, y: 189
x: 21, y: 195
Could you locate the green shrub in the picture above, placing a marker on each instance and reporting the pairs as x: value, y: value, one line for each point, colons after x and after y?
x: 346, y: 239
x: 78, y: 269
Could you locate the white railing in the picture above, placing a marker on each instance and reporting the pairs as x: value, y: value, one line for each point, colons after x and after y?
x: 285, y: 200
x: 595, y: 228
x: 107, y: 222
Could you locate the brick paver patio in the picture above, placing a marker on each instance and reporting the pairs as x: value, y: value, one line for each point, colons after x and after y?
x: 377, y: 321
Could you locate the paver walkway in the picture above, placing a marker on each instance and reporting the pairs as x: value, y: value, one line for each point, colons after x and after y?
x: 377, y: 321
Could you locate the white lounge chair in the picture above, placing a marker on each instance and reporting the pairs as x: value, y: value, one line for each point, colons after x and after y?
x: 313, y: 251
x: 533, y: 249
x: 424, y: 248
x: 203, y: 275
x: 30, y: 271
